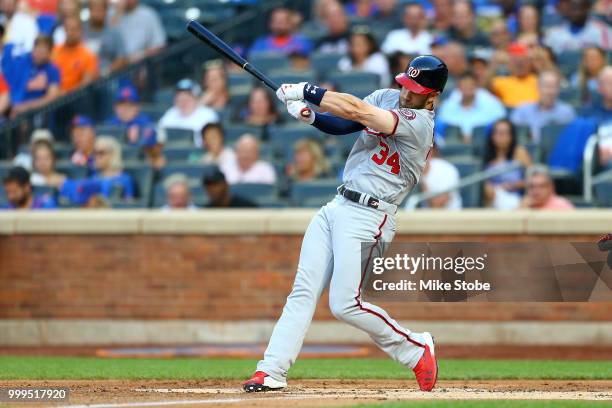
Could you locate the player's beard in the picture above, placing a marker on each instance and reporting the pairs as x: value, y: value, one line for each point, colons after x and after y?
x: 412, y: 100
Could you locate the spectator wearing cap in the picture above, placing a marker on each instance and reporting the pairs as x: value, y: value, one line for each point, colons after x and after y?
x: 469, y: 106
x: 337, y: 25
x: 413, y: 38
x: 18, y: 191
x: 578, y: 30
x: 43, y: 163
x: 463, y: 28
x: 220, y: 195
x: 24, y: 158
x: 78, y: 66
x: 178, y: 193
x: 83, y: 141
x: 215, y: 84
x: 520, y: 86
x: 281, y: 39
x: 141, y: 29
x: 547, y: 110
x: 586, y: 78
x: 102, y: 39
x: 187, y: 112
x: 128, y: 115
x: 248, y: 168
x: 540, y: 192
x: 214, y: 149
x: 20, y: 28
x: 365, y: 56
x: 114, y: 182
x: 33, y: 80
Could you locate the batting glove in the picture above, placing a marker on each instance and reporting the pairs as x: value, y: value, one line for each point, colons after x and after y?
x: 301, y: 111
x: 291, y: 92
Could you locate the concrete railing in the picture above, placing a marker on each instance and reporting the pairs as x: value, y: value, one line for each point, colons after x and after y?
x: 295, y: 221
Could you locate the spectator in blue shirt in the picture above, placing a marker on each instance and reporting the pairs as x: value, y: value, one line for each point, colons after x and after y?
x: 601, y: 109
x: 470, y: 106
x: 114, y: 182
x: 83, y: 140
x: 33, y: 80
x: 282, y: 39
x: 19, y: 193
x: 128, y: 115
x: 548, y: 110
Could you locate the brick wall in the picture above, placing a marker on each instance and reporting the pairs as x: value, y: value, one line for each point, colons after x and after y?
x: 224, y: 277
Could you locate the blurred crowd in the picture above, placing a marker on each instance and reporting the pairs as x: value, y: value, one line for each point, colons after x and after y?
x: 522, y: 73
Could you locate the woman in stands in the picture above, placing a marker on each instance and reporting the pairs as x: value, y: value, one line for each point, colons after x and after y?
x: 215, y: 151
x: 43, y: 164
x: 593, y: 61
x: 309, y: 162
x: 504, y: 192
x: 115, y: 184
x: 365, y: 56
x: 216, y: 92
x: 529, y: 32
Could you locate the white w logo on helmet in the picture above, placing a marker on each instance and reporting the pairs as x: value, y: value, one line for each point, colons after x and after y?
x: 413, y: 72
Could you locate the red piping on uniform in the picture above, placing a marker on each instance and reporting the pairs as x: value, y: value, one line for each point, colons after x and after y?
x: 358, y: 297
x: 396, y: 122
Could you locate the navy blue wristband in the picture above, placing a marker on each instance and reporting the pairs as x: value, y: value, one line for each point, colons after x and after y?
x: 314, y: 94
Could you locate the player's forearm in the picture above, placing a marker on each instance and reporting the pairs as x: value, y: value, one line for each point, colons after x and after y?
x: 343, y: 105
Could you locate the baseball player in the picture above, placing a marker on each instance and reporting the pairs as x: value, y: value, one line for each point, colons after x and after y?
x: 385, y: 163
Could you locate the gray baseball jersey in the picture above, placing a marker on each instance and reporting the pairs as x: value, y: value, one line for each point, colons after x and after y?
x: 389, y: 166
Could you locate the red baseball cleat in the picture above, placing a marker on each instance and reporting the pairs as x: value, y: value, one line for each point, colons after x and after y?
x: 426, y: 370
x: 262, y: 382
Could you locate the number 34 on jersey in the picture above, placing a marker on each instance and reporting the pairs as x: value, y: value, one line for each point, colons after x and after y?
x: 386, y: 158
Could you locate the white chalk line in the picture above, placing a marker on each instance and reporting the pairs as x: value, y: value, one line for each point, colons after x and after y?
x: 326, y: 393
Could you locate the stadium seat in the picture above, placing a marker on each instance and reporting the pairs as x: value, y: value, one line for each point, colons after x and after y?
x: 292, y: 77
x: 548, y: 139
x: 175, y: 136
x: 130, y: 153
x: 164, y: 96
x: 239, y: 80
x: 180, y: 154
x: 63, y: 152
x: 118, y: 132
x: 455, y: 149
x: 142, y: 174
x: 345, y: 143
x: 479, y: 140
x: 70, y: 170
x: 283, y: 138
x: 154, y: 111
x: 353, y: 82
x: 568, y: 62
x: 313, y: 193
x: 603, y: 189
x: 268, y: 62
x: 192, y: 171
x: 256, y: 192
x: 233, y: 132
x: 5, y: 167
x: 452, y: 133
x: 533, y: 148
x: 470, y: 195
x: 325, y: 63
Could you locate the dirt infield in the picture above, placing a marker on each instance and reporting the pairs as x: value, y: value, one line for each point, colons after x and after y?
x: 308, y: 393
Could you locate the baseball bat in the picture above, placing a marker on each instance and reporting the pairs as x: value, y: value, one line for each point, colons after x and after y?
x: 206, y: 36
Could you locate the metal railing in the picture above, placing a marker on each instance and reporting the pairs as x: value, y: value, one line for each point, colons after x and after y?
x: 588, y: 167
x: 176, y: 60
x: 415, y: 199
